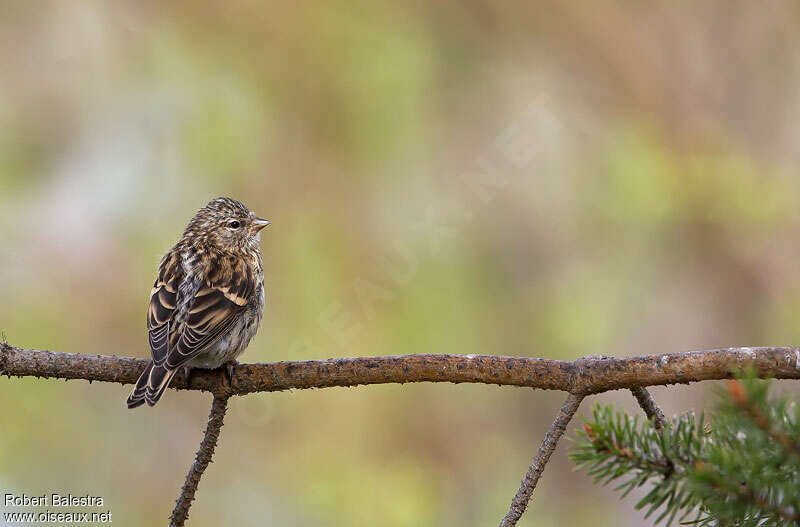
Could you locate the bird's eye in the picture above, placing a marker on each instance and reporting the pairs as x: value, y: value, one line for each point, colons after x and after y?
x: 234, y: 224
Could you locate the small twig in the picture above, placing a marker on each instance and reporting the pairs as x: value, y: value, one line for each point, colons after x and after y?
x: 649, y: 406
x: 523, y: 496
x: 202, y: 459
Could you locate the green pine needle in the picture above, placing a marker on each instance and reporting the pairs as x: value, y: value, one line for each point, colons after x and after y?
x: 740, y: 469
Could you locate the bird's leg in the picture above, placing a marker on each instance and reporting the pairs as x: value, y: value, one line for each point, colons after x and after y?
x: 187, y: 371
x: 230, y: 366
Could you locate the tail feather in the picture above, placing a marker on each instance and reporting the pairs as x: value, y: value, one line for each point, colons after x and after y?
x: 160, y: 378
x: 136, y: 398
x: 151, y: 385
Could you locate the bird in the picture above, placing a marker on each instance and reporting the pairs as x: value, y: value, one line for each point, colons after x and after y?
x: 208, y: 299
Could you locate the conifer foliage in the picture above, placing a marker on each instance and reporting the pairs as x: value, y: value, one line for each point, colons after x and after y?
x: 741, y: 467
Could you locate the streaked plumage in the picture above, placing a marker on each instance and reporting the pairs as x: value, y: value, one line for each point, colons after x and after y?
x: 207, y: 301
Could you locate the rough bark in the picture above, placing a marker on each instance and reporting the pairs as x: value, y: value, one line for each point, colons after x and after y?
x: 586, y: 376
x: 203, y: 457
x: 650, y: 407
x: 579, y: 378
x: 549, y: 443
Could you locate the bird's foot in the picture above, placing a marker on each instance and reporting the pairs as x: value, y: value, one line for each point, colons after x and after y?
x: 230, y: 366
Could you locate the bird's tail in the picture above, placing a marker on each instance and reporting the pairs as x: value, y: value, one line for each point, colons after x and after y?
x: 136, y: 398
x: 150, y: 386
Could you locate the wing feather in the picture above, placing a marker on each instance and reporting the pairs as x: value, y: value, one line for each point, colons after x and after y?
x: 179, y: 330
x: 163, y: 301
x: 210, y: 315
x: 162, y: 307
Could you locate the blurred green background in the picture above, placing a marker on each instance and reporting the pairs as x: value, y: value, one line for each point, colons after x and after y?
x: 522, y: 178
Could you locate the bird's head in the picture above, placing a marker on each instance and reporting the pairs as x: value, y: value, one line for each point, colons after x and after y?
x: 227, y: 225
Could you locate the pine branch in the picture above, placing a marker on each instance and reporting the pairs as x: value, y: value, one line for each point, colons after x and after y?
x: 742, y: 470
x: 769, y: 426
x: 745, y: 494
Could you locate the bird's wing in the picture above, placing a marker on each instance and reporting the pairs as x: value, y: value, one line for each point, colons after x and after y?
x: 163, y: 301
x: 211, y: 312
x: 183, y: 321
x: 215, y: 304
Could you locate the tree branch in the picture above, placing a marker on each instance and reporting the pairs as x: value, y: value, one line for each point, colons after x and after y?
x: 579, y: 378
x: 523, y: 496
x: 649, y: 406
x: 587, y: 376
x: 202, y: 459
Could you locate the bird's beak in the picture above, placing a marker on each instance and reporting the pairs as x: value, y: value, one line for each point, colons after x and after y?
x: 259, y: 224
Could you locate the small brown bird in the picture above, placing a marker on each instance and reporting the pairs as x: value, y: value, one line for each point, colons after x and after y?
x: 207, y: 301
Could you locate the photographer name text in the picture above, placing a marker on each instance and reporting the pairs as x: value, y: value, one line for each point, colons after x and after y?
x: 52, y: 500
